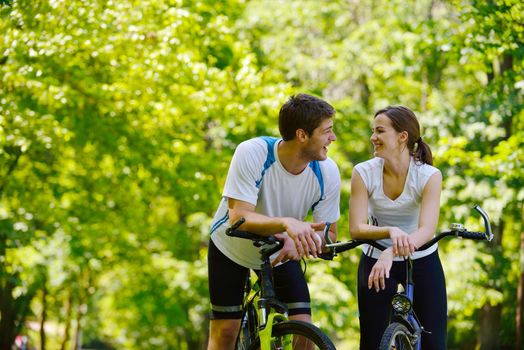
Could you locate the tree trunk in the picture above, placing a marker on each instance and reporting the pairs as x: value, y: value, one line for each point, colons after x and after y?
x: 81, y: 310
x: 69, y: 311
x: 44, y: 315
x: 7, y: 302
x: 491, y: 315
x: 519, y: 315
x: 7, y: 320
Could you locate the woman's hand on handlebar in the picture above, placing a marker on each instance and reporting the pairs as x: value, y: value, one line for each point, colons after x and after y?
x: 288, y: 251
x: 380, y: 271
x: 402, y: 242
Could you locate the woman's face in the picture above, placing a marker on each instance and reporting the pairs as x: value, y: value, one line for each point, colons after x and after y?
x: 385, y: 139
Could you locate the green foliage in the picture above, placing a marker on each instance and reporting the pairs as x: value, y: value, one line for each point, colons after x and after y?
x: 118, y: 121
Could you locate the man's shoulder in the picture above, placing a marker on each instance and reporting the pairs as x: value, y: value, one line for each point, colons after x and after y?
x: 257, y: 143
x: 328, y: 165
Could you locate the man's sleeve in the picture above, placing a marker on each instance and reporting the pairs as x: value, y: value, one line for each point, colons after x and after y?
x: 244, y: 171
x: 328, y: 209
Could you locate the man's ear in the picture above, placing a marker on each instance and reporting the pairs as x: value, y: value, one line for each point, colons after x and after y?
x: 301, y: 135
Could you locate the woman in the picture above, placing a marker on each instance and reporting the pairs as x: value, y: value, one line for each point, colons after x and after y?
x: 395, y: 198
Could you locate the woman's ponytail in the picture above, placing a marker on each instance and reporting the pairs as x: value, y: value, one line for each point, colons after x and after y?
x: 422, y: 152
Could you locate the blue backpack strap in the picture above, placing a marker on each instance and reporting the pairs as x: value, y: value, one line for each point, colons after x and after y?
x: 270, y: 141
x: 318, y: 173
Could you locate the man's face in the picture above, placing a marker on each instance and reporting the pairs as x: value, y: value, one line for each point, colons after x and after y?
x: 317, y: 144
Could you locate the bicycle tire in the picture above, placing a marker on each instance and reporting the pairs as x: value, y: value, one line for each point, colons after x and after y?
x: 248, y: 328
x: 397, y: 337
x: 308, y: 332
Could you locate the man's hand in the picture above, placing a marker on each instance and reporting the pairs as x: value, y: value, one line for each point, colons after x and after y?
x: 303, y: 234
x: 402, y: 242
x: 288, y: 251
x: 380, y: 271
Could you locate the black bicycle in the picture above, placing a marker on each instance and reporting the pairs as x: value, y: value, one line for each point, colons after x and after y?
x: 404, y: 330
x: 265, y: 324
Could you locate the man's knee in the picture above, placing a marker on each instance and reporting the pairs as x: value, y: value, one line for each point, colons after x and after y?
x: 301, y: 317
x: 222, y: 334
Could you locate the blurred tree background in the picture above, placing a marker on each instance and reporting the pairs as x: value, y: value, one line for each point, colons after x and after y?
x: 118, y: 120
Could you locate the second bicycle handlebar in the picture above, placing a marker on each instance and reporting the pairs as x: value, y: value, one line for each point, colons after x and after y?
x: 457, y: 230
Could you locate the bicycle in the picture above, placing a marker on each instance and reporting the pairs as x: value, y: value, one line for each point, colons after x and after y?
x: 265, y: 324
x: 405, y: 330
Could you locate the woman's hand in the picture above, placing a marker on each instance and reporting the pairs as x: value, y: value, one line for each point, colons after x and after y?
x: 402, y: 243
x: 380, y: 271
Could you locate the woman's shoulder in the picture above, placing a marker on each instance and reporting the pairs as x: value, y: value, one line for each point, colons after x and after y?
x: 422, y: 173
x: 424, y: 169
x: 370, y: 164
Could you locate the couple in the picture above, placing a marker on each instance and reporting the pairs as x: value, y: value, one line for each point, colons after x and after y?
x: 274, y: 182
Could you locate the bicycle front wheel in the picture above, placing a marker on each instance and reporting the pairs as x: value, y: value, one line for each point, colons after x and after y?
x: 397, y: 337
x: 296, y: 335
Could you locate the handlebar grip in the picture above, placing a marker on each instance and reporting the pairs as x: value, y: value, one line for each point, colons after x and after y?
x: 326, y: 256
x: 237, y: 224
x: 479, y: 236
x: 241, y: 234
x: 258, y: 241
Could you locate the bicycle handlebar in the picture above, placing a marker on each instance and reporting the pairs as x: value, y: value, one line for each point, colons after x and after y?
x: 457, y: 230
x: 258, y: 241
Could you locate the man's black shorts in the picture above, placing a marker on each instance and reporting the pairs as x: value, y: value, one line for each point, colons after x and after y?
x: 227, y: 281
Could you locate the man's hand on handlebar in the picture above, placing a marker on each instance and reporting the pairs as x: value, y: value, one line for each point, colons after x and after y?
x: 288, y: 251
x: 303, y: 234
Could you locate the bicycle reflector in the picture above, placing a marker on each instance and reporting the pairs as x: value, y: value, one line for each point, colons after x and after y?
x: 401, y: 303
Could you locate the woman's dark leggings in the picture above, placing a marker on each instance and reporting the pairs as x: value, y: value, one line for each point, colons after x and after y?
x: 430, y: 301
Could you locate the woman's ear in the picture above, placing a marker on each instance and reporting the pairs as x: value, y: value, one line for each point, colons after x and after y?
x: 403, y: 136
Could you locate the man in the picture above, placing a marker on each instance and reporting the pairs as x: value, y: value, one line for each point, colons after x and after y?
x: 273, y: 183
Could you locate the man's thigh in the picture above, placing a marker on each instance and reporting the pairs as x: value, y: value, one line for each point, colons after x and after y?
x: 226, y: 285
x: 291, y: 288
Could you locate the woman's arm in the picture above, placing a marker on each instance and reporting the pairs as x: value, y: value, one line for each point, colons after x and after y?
x: 358, y: 212
x: 429, y: 210
x: 358, y: 217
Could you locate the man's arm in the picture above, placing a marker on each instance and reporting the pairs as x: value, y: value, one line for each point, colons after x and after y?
x: 302, y: 233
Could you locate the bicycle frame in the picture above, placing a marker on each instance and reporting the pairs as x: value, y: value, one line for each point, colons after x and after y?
x: 274, y: 328
x: 270, y: 309
x: 403, y: 312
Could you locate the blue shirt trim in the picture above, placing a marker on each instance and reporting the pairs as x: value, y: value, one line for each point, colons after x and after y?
x: 219, y: 223
x: 270, y: 141
x: 318, y: 173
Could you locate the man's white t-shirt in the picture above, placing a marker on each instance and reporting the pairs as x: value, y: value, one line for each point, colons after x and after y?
x: 403, y: 212
x: 256, y: 176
